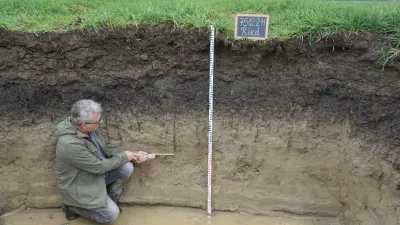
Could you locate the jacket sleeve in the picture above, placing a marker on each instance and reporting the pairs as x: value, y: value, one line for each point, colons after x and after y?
x: 114, y: 149
x: 77, y: 155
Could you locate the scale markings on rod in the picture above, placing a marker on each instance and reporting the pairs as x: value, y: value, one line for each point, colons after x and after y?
x: 210, y: 118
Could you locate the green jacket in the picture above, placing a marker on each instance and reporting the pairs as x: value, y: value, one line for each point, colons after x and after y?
x: 79, y: 169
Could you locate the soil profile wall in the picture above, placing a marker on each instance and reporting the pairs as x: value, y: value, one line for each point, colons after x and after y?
x: 298, y: 128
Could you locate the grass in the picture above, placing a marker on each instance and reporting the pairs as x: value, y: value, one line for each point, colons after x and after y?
x: 314, y: 19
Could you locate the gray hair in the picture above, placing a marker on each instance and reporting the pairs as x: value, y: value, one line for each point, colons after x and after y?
x: 83, y: 110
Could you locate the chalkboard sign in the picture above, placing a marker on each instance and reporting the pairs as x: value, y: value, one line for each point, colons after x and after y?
x: 251, y: 26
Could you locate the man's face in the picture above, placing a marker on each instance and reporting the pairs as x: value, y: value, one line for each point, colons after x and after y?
x: 93, y: 124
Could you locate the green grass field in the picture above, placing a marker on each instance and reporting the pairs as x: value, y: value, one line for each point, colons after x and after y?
x: 289, y: 18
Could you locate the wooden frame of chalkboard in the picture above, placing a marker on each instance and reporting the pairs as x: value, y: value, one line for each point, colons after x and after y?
x: 252, y: 33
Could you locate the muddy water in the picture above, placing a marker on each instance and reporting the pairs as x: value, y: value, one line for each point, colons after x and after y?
x: 149, y: 215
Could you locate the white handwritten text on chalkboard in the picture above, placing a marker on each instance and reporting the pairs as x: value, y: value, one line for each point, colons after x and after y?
x: 251, y: 26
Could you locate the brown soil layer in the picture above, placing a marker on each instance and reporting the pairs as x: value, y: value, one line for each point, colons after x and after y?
x: 300, y: 128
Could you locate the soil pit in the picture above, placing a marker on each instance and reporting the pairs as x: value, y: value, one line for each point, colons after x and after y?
x: 299, y: 128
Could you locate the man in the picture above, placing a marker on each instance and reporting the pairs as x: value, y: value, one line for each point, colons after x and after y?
x: 91, y: 173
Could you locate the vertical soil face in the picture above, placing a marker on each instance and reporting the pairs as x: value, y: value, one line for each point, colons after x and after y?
x: 298, y: 128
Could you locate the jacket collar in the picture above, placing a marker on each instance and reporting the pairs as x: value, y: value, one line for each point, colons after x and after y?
x: 81, y: 134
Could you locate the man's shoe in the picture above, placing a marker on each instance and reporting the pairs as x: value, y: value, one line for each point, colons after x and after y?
x: 69, y: 214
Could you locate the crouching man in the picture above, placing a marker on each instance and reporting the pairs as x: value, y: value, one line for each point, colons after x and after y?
x: 90, y: 172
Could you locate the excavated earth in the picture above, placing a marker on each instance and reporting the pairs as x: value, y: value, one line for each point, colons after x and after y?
x: 299, y: 128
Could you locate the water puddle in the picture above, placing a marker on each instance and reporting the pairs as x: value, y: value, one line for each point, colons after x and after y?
x: 154, y: 215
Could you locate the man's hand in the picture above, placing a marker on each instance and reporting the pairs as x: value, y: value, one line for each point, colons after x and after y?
x: 138, y: 157
x: 142, y: 153
x: 142, y: 156
x: 130, y: 155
